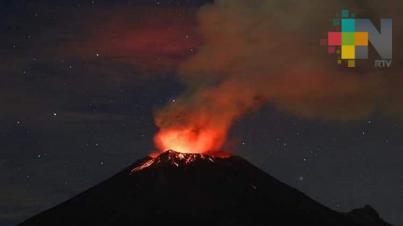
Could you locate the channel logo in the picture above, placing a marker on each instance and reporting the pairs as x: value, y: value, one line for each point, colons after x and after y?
x: 352, y: 36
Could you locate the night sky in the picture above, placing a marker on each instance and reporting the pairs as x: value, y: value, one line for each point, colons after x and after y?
x: 82, y: 80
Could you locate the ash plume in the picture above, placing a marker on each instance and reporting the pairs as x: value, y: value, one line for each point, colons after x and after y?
x: 267, y: 52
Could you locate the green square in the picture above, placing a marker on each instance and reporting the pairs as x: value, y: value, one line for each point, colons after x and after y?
x: 347, y: 38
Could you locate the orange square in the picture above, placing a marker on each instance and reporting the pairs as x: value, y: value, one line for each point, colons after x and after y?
x: 361, y: 38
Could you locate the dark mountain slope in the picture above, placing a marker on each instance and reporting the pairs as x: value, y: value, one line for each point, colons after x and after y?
x: 193, y: 189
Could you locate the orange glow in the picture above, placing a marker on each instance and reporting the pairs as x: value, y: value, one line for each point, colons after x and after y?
x: 179, y: 159
x: 188, y: 140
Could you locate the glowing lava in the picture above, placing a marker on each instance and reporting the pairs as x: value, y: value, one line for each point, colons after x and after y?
x: 179, y: 159
x: 187, y: 140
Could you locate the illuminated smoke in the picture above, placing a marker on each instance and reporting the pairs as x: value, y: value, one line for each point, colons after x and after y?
x: 267, y: 52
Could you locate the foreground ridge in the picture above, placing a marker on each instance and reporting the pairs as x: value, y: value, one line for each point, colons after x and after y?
x: 211, y: 189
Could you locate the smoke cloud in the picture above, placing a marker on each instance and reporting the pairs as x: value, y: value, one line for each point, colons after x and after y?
x: 260, y: 52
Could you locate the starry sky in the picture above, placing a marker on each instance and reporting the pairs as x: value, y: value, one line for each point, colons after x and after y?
x: 81, y: 81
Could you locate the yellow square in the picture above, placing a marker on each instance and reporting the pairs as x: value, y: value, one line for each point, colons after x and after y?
x: 361, y: 38
x: 351, y: 63
x: 347, y: 52
x: 339, y: 61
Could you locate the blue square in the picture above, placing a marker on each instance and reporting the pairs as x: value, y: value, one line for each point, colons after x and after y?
x: 348, y: 25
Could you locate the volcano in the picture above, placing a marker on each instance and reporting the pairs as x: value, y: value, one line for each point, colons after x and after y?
x: 196, y: 189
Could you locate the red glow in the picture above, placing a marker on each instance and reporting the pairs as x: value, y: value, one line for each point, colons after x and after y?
x: 150, y: 39
x: 188, y: 140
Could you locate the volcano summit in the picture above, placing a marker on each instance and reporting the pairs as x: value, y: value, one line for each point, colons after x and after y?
x: 196, y: 189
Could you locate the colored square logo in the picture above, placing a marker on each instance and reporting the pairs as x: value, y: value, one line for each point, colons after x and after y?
x: 348, y: 25
x: 334, y: 39
x: 361, y: 38
x: 347, y: 38
x: 350, y: 37
x: 347, y: 52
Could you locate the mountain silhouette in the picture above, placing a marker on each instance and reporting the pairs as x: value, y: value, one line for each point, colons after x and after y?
x: 196, y: 189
